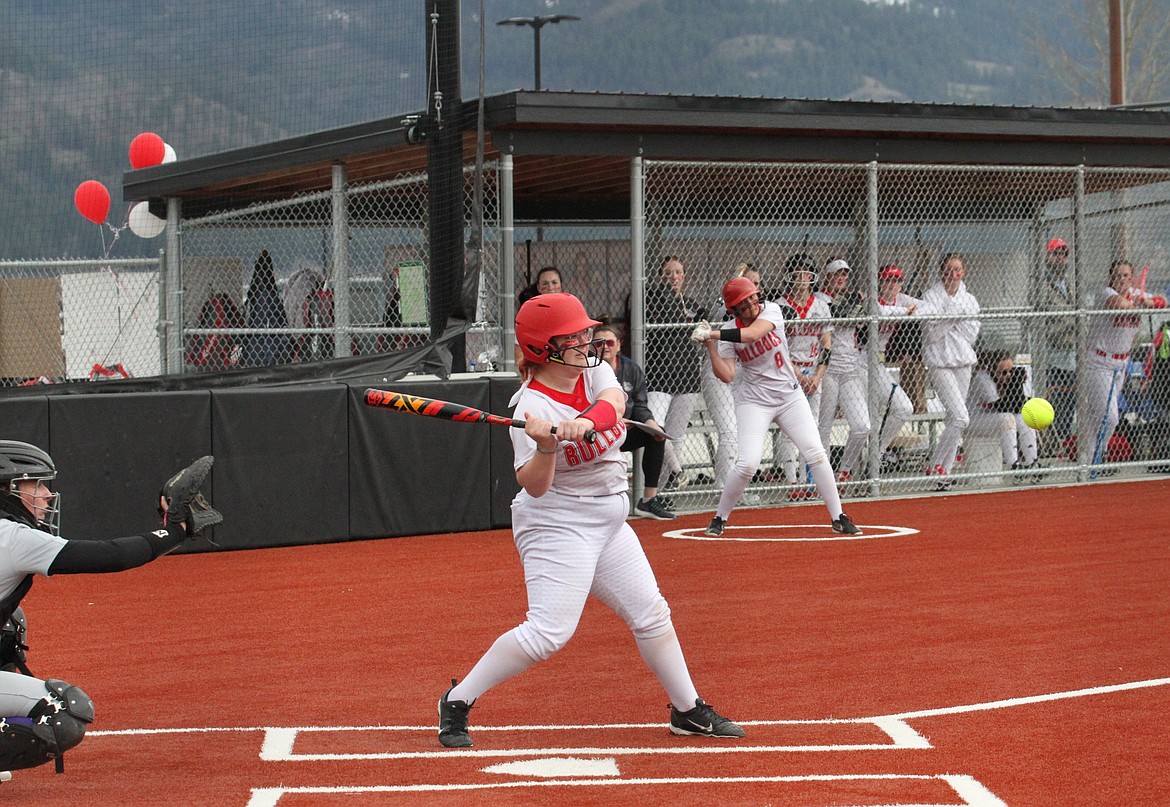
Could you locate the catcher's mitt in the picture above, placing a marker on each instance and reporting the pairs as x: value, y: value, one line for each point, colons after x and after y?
x: 185, y: 502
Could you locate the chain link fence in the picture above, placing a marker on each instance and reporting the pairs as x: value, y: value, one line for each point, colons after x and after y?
x: 285, y: 282
x: 1039, y: 312
x: 78, y: 319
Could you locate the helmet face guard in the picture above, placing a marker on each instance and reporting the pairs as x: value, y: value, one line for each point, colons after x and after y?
x: 21, y: 462
x: 48, y: 515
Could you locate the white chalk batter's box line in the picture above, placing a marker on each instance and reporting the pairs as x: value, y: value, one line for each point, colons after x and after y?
x: 279, y: 741
x: 969, y: 789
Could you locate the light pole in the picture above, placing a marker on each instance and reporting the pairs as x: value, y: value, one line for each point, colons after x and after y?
x: 536, y: 23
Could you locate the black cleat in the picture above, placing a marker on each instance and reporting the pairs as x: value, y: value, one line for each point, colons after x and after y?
x: 715, y: 528
x: 453, y: 722
x: 844, y: 524
x: 702, y: 721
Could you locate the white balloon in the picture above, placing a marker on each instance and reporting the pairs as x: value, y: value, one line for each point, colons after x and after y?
x: 169, y: 155
x: 143, y: 223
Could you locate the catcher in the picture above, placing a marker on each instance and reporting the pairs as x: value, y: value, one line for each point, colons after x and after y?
x: 42, y: 719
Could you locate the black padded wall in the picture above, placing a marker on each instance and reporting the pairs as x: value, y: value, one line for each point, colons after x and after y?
x: 411, y: 474
x: 114, y: 452
x: 25, y: 419
x: 281, y: 470
x: 503, y: 476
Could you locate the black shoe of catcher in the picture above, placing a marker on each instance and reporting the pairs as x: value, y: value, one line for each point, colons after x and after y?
x: 453, y: 722
x: 702, y: 721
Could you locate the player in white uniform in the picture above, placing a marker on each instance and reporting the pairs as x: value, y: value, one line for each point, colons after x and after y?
x: 1106, y: 358
x: 768, y: 393
x: 569, y: 523
x: 808, y: 344
x: 846, y: 383
x: 42, y: 719
x: 892, y: 303
x: 998, y: 392
x: 948, y: 353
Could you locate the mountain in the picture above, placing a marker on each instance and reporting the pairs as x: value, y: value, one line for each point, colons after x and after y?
x: 80, y: 78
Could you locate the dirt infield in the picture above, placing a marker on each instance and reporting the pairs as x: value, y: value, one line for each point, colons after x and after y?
x: 1002, y: 648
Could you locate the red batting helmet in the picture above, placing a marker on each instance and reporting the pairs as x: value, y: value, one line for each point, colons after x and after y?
x: 1057, y: 243
x: 546, y: 316
x: 736, y: 290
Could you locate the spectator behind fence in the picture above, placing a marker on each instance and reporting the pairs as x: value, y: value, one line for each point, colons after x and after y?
x: 845, y: 383
x: 718, y: 397
x: 810, y: 347
x: 897, y: 406
x: 1106, y: 359
x: 673, y: 362
x: 948, y: 351
x: 1057, y: 350
x: 263, y: 308
x: 1157, y: 383
x: 633, y: 381
x: 548, y: 281
x: 998, y: 392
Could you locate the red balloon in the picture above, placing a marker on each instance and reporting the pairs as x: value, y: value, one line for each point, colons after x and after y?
x: 92, y: 200
x: 146, y: 149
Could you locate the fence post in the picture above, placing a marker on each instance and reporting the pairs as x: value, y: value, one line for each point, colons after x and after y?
x: 507, y: 264
x: 173, y: 283
x: 637, y: 321
x: 341, y: 308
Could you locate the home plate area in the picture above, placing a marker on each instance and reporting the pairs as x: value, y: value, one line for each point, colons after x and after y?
x: 791, y: 760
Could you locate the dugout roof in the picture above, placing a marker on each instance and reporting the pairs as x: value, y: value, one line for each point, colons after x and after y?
x: 572, y: 150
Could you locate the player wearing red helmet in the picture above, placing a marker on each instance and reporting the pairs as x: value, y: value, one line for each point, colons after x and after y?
x: 569, y: 523
x: 769, y: 392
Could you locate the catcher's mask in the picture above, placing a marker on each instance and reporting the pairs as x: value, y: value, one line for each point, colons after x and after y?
x: 20, y: 462
x: 547, y: 316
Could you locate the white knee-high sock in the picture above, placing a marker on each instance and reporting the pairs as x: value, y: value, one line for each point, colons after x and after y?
x: 663, y: 655
x: 503, y: 659
x: 822, y: 474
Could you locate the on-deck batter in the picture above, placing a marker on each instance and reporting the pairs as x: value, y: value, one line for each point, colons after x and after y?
x: 768, y: 393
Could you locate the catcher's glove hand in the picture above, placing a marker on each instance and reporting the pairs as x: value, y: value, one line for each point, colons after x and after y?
x: 702, y: 332
x: 185, y: 502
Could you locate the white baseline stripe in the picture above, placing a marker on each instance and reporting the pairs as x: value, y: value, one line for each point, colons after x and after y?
x: 1008, y: 702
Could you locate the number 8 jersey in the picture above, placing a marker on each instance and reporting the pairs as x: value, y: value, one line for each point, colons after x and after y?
x: 765, y: 368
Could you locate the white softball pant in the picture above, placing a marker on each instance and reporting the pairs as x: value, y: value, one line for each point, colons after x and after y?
x: 951, y: 385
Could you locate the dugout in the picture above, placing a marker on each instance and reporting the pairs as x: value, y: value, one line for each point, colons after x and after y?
x: 654, y: 172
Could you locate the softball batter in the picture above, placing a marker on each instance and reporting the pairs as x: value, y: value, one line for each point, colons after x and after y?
x: 770, y: 392
x: 569, y: 523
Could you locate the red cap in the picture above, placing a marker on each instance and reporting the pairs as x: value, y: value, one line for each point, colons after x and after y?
x: 889, y: 272
x: 1057, y: 243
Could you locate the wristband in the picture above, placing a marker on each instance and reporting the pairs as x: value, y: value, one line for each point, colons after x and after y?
x: 165, y: 540
x: 603, y: 415
x: 540, y: 450
x: 825, y: 354
x: 730, y: 335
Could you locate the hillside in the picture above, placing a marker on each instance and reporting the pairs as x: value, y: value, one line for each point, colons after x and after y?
x: 80, y: 78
